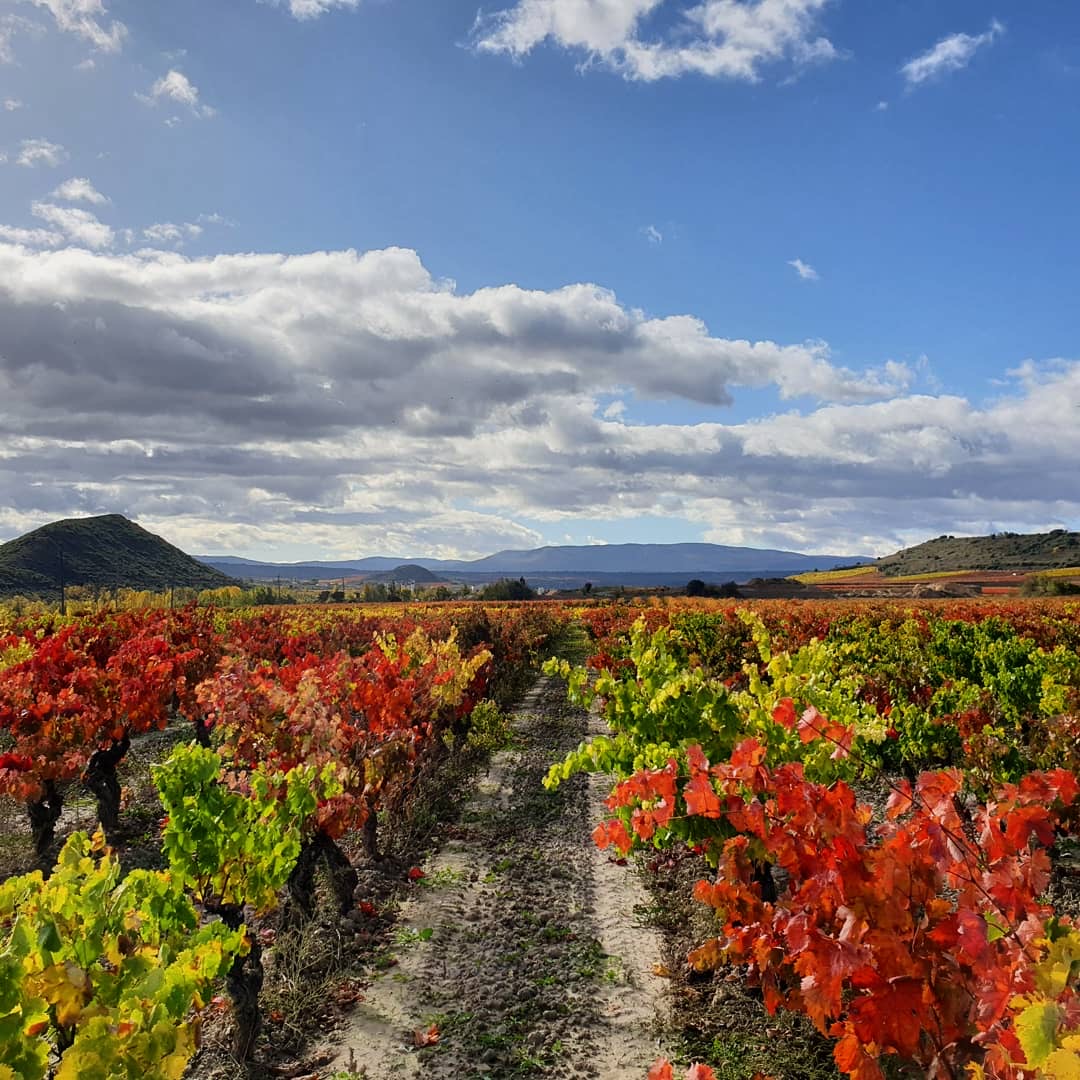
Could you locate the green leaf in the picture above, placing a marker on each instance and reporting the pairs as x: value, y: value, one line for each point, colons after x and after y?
x: 1036, y: 1028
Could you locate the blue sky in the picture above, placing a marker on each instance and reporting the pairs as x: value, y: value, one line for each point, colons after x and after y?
x: 795, y: 273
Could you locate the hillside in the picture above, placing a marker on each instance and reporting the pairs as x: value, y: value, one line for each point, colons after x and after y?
x: 107, y: 552
x: 408, y: 572
x: 1001, y: 551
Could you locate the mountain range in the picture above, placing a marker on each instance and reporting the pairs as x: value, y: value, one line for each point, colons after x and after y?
x: 110, y: 551
x: 566, y: 565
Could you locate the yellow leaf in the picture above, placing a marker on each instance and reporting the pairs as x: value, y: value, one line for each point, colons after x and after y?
x: 1062, y: 1064
x: 66, y: 987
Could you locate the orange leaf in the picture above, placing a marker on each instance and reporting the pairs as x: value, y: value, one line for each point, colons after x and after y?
x: 426, y: 1038
x: 700, y: 1072
x: 661, y: 1070
x: 708, y: 957
x: 784, y: 713
x: 899, y: 801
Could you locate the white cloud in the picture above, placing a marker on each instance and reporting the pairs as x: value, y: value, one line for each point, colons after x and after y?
x: 312, y: 9
x: 12, y: 234
x: 10, y: 25
x: 351, y: 402
x: 216, y: 219
x: 34, y: 152
x: 176, y: 86
x: 952, y: 53
x: 86, y: 19
x: 882, y: 106
x: 165, y: 232
x: 11, y: 104
x: 731, y: 39
x: 79, y: 189
x: 80, y: 226
x: 653, y: 234
x: 804, y: 270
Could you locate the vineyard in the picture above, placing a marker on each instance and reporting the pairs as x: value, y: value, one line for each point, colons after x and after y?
x: 875, y: 807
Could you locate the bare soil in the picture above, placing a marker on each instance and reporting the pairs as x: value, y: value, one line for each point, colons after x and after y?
x: 521, y: 949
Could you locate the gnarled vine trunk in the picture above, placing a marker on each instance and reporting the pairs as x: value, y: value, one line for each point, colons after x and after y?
x: 371, y: 838
x: 301, y: 884
x: 100, y: 777
x: 244, y: 983
x: 343, y: 877
x: 202, y: 730
x: 44, y: 813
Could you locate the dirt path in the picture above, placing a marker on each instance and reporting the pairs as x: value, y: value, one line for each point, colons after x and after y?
x: 521, y: 944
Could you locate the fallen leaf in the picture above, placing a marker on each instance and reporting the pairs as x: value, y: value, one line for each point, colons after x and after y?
x: 426, y: 1038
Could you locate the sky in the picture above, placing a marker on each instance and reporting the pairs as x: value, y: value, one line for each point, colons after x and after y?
x: 333, y: 278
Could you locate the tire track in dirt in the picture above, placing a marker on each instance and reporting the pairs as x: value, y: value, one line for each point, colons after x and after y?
x: 534, y: 964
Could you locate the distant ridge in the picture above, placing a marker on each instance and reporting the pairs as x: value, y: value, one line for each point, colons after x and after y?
x: 649, y: 558
x: 999, y: 551
x: 637, y: 564
x: 105, y: 552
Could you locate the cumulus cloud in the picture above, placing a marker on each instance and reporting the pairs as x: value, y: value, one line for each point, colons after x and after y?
x: 352, y: 403
x: 34, y: 152
x: 79, y: 189
x: 312, y: 9
x: 952, y: 53
x: 80, y: 226
x: 11, y: 104
x: 652, y: 234
x: 86, y: 19
x: 730, y: 39
x: 176, y: 86
x: 804, y: 270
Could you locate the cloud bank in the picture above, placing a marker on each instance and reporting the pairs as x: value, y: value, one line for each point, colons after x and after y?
x: 352, y: 403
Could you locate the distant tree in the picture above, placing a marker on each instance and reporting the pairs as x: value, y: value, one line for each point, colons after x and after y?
x: 508, y: 589
x: 587, y: 588
x: 696, y: 587
x: 1047, y: 585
